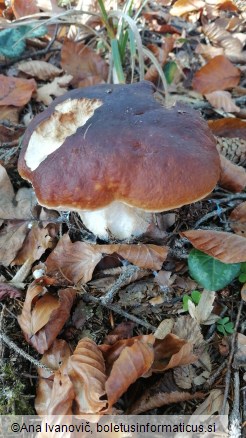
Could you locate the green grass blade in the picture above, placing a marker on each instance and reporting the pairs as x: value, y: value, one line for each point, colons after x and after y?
x: 117, y: 61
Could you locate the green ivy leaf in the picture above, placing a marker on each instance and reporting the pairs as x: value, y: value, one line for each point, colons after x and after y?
x: 209, y: 272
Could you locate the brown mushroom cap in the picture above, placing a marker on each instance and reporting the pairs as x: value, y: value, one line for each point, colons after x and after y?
x: 109, y: 143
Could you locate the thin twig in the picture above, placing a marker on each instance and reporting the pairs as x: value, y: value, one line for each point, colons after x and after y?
x: 214, y: 376
x: 126, y: 273
x: 229, y: 363
x: 90, y: 298
x: 235, y: 418
x: 22, y: 353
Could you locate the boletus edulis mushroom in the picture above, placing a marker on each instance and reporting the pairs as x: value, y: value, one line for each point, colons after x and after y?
x: 116, y: 155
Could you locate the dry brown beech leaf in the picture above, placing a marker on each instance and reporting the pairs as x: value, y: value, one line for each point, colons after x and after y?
x: 232, y: 177
x: 171, y: 352
x: 222, y: 100
x: 77, y: 261
x: 22, y: 8
x: 226, y: 247
x: 35, y: 244
x: 145, y: 256
x: 218, y: 74
x: 182, y: 7
x: 73, y: 261
x: 29, y: 317
x: 39, y: 69
x: 83, y: 63
x: 228, y: 127
x: 161, y: 393
x: 237, y: 219
x: 132, y: 363
x: 15, y: 91
x: 86, y: 370
x: 53, y: 358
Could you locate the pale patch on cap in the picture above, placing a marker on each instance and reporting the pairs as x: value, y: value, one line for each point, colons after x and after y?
x: 67, y: 117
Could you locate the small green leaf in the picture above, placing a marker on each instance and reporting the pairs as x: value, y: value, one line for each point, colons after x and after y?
x: 243, y: 267
x: 186, y: 298
x: 196, y: 296
x: 221, y: 329
x: 223, y: 321
x: 169, y: 71
x: 242, y: 278
x: 229, y: 327
x: 209, y: 272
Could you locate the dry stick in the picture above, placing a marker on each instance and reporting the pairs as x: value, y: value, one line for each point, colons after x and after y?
x: 90, y: 298
x: 228, y: 373
x: 127, y: 272
x: 22, y: 353
x: 214, y: 376
x: 235, y: 418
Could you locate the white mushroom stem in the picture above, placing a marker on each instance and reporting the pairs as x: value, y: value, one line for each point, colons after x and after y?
x: 118, y: 219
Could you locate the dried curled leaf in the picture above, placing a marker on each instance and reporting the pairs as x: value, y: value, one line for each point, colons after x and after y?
x: 171, y: 352
x: 228, y: 127
x: 226, y: 247
x: 77, y: 261
x: 161, y: 393
x: 144, y: 256
x: 222, y: 100
x: 238, y: 219
x: 15, y: 91
x: 54, y: 358
x: 133, y: 362
x: 218, y: 74
x: 86, y: 371
x: 39, y: 69
x: 232, y: 177
x: 73, y: 261
x: 182, y: 7
x: 83, y: 63
x: 42, y: 321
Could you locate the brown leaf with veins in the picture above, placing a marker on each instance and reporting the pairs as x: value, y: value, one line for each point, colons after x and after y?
x: 218, y: 74
x: 40, y: 69
x: 232, y: 177
x: 77, y: 261
x: 161, y: 393
x: 15, y: 91
x: 22, y: 8
x: 83, y: 63
x: 54, y: 358
x: 145, y: 256
x: 222, y: 100
x: 132, y: 363
x: 50, y: 320
x: 55, y: 88
x: 226, y: 247
x: 86, y: 371
x: 228, y: 127
x: 237, y: 219
x: 34, y: 246
x: 182, y: 7
x: 73, y: 261
x: 6, y: 290
x: 171, y: 352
